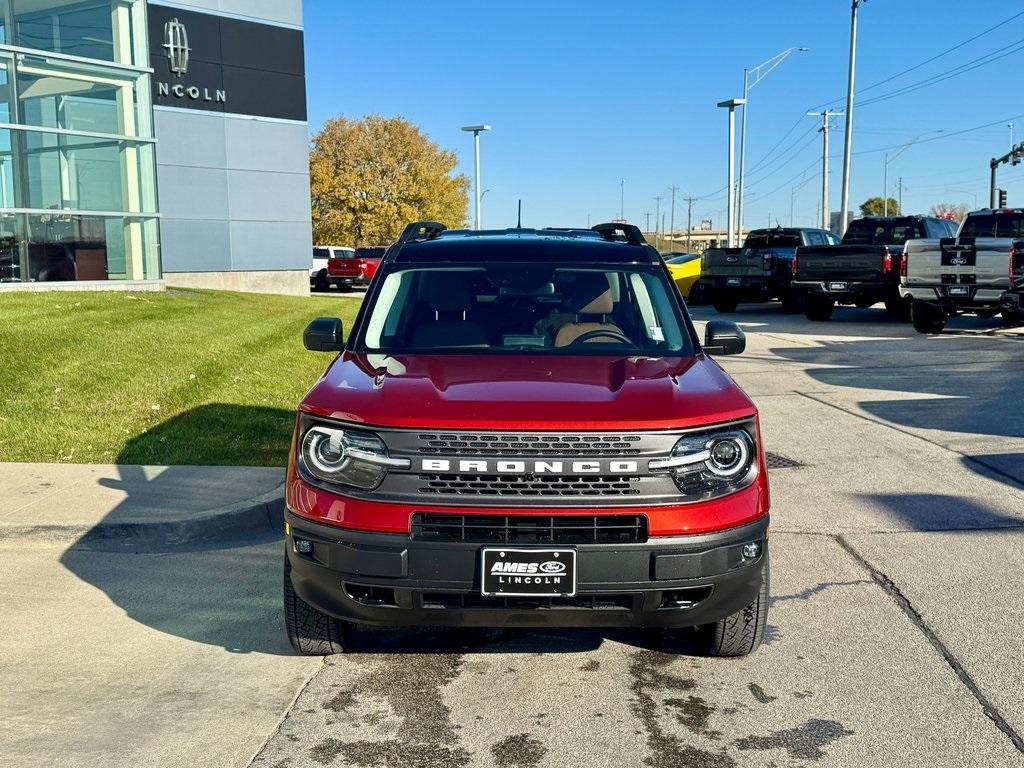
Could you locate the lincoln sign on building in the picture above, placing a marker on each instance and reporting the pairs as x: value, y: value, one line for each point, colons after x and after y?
x: 154, y: 142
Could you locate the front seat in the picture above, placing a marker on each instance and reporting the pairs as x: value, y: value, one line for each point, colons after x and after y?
x: 449, y: 299
x: 590, y: 298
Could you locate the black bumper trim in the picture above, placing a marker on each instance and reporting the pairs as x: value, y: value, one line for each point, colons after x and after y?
x: 394, y: 580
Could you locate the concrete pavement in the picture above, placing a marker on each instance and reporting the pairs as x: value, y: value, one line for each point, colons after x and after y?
x: 894, y: 629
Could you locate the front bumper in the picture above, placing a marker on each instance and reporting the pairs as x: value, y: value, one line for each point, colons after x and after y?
x: 396, y: 580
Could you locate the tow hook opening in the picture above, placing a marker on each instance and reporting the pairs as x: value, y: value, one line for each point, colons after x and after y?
x: 684, y: 598
x: 366, y: 595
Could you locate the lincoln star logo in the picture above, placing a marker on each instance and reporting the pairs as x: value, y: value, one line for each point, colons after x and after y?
x: 176, y: 45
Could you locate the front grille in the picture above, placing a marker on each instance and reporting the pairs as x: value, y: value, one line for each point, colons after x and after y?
x: 596, y: 602
x: 530, y: 529
x: 537, y: 444
x: 527, y: 485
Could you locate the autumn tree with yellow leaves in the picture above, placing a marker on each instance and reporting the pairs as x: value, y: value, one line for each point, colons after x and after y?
x: 369, y: 178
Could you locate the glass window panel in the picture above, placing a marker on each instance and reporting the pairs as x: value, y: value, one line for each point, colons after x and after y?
x: 62, y: 247
x: 94, y: 29
x: 10, y: 255
x: 54, y: 94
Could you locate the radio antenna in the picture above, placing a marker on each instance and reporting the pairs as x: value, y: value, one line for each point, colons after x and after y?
x: 519, y: 218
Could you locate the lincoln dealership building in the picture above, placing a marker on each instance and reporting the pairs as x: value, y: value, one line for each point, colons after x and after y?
x: 147, y: 141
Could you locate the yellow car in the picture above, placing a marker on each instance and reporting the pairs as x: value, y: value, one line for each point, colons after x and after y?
x: 685, y: 269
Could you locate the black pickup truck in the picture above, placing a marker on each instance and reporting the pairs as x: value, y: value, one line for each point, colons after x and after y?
x: 760, y: 270
x: 865, y: 268
x: 1012, y: 304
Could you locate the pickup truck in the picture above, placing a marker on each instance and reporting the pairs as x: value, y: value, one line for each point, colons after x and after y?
x: 966, y: 274
x: 322, y: 255
x: 759, y: 271
x: 356, y: 268
x: 1012, y: 303
x: 523, y: 429
x: 865, y: 268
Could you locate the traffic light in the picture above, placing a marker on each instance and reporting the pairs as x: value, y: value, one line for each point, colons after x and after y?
x: 1002, y: 198
x: 1016, y: 154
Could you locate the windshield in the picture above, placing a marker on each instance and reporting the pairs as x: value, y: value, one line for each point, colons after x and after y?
x: 881, y: 232
x: 1009, y: 224
x: 772, y: 240
x: 511, y: 308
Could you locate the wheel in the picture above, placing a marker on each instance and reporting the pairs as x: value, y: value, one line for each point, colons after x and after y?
x: 726, y: 304
x: 927, y: 318
x: 310, y: 632
x: 1009, y: 318
x: 696, y: 295
x: 818, y: 308
x: 790, y: 303
x: 344, y: 287
x: 898, y: 307
x: 742, y: 632
x: 320, y: 281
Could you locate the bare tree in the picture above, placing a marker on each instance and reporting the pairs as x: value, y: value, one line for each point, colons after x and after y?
x: 951, y: 211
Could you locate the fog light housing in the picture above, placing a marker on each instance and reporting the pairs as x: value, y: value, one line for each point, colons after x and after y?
x: 303, y: 546
x: 751, y: 550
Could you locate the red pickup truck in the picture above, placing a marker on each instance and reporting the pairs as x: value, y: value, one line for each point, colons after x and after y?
x: 357, y: 269
x: 524, y: 429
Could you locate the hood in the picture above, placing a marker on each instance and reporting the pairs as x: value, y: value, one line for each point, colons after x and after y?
x: 527, y: 392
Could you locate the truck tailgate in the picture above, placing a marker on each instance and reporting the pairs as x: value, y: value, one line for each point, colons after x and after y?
x: 732, y: 262
x: 848, y: 263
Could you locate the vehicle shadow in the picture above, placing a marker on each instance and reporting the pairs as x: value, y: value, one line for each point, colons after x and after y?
x: 942, y: 512
x: 212, y: 585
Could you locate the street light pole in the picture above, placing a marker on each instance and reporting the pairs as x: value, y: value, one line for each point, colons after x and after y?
x: 622, y: 198
x: 476, y: 130
x: 672, y: 218
x: 751, y: 77
x: 885, y: 169
x: 657, y: 218
x: 731, y: 105
x: 844, y: 209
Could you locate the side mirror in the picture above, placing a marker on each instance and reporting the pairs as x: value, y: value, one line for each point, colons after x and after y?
x: 723, y: 338
x: 324, y: 335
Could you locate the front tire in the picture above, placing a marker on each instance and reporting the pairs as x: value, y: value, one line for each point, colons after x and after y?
x: 726, y: 304
x: 311, y: 632
x: 742, y: 632
x: 927, y: 318
x: 818, y: 309
x: 790, y: 303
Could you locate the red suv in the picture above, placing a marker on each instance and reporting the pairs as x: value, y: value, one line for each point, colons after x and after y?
x: 523, y: 429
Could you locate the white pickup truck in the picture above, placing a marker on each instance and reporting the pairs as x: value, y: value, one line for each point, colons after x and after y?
x: 964, y: 274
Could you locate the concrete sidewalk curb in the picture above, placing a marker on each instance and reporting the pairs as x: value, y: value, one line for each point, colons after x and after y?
x: 260, y: 514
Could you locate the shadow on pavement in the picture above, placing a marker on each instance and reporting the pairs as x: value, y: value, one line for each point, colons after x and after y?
x: 939, y: 512
x: 222, y: 590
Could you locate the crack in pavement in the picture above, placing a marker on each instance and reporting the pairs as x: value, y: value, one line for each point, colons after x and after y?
x: 890, y: 588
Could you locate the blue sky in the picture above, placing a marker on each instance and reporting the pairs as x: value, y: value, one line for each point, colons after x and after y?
x: 583, y: 94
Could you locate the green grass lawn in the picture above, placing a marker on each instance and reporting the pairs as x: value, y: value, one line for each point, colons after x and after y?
x: 175, y: 377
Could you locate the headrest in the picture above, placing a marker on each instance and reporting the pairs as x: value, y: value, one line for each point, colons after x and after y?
x: 448, y: 292
x: 590, y: 294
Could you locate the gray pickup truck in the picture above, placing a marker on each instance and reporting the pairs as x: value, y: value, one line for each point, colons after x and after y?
x: 966, y: 274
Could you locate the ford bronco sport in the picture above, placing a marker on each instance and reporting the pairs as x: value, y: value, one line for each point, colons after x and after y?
x: 523, y: 429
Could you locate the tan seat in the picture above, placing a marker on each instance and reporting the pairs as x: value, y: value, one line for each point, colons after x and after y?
x: 601, y: 307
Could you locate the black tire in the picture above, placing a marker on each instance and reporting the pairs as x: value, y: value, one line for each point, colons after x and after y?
x: 344, y: 287
x: 740, y: 633
x: 696, y: 295
x: 790, y: 303
x: 320, y: 281
x: 726, y: 304
x: 927, y: 318
x: 1009, y: 318
x: 310, y: 632
x: 818, y: 309
x: 899, y: 308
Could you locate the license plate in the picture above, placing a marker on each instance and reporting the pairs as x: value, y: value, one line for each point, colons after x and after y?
x: 733, y: 281
x: 958, y: 291
x: 837, y: 286
x: 528, y: 572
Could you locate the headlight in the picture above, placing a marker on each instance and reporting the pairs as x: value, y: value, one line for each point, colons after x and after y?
x: 346, y: 457
x: 707, y: 464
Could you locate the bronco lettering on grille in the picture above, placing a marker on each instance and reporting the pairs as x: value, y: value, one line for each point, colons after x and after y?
x: 516, y: 467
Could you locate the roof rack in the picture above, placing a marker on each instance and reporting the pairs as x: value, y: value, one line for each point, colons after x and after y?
x: 419, y: 231
x: 628, y: 232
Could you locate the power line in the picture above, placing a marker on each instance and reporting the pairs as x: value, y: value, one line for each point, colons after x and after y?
x: 917, y: 66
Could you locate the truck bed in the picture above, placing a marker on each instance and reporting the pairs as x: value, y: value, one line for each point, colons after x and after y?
x: 845, y: 263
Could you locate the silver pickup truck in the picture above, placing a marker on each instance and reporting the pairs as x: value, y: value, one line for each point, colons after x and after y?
x: 964, y: 274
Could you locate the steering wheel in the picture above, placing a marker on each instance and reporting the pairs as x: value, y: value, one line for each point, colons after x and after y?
x: 598, y: 333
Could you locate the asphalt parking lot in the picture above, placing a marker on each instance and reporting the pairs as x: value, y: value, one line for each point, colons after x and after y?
x: 894, y: 634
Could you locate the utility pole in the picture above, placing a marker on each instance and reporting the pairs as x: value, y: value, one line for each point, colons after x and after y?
x: 826, y: 117
x: 657, y: 218
x: 899, y: 200
x: 622, y: 198
x: 672, y: 219
x: 730, y: 207
x: 848, y: 136
x: 689, y: 221
x: 647, y: 228
x: 1010, y: 126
